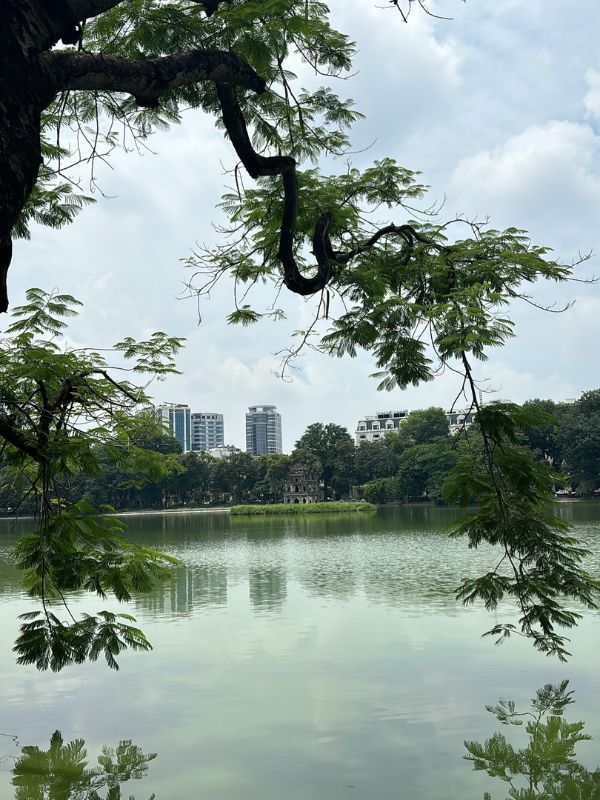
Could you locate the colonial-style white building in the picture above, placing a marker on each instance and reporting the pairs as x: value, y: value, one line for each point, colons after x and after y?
x: 372, y: 429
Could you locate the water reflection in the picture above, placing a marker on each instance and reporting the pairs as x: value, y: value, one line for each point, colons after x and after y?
x: 268, y: 588
x: 63, y: 771
x: 546, y: 767
x: 187, y: 588
x: 395, y: 557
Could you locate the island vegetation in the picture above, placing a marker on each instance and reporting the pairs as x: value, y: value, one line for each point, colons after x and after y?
x: 308, y: 508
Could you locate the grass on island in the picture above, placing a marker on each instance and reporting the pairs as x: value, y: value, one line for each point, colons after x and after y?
x: 301, y: 508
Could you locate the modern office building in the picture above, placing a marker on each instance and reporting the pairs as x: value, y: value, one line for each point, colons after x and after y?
x: 372, y: 429
x: 176, y: 419
x: 207, y: 431
x: 263, y: 430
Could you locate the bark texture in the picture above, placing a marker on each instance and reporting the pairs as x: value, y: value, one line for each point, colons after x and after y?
x: 32, y: 74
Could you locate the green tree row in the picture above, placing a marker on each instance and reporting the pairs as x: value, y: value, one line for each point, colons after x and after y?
x: 406, y: 465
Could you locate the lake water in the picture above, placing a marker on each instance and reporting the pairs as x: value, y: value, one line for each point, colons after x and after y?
x: 315, y: 657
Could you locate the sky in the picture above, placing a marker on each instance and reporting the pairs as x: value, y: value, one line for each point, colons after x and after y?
x: 498, y: 108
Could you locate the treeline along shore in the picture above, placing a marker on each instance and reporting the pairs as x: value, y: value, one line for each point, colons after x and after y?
x: 408, y: 465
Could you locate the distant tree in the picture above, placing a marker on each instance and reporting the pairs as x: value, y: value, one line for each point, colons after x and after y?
x: 190, y: 483
x: 334, y: 447
x: 381, y: 490
x: 152, y: 438
x: 373, y: 460
x: 278, y: 466
x: 423, y: 427
x: 544, y: 439
x: 234, y: 476
x: 423, y: 468
x: 578, y: 435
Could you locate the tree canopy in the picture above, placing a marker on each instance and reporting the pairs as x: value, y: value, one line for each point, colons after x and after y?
x: 389, y: 274
x: 333, y: 447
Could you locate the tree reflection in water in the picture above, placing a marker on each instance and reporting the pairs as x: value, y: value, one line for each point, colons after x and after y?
x: 546, y: 767
x: 62, y: 772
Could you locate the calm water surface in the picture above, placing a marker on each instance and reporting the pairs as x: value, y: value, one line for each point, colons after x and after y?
x: 298, y: 658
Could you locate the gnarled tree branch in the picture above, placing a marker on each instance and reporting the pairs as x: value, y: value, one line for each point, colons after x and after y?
x: 147, y: 79
x: 257, y: 166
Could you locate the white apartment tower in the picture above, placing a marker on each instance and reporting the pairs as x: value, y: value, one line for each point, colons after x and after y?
x: 263, y: 430
x: 207, y: 431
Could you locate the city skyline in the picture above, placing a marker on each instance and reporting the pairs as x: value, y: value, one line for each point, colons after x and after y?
x: 391, y: 420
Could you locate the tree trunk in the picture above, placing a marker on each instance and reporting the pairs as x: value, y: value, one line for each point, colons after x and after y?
x: 25, y: 26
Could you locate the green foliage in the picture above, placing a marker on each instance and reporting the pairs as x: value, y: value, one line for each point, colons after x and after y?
x: 63, y: 771
x: 382, y: 490
x: 546, y: 768
x: 52, y: 202
x: 61, y: 413
x: 373, y: 460
x: 273, y: 36
x: 578, y: 437
x: 333, y: 448
x: 300, y: 508
x: 539, y: 563
x: 423, y: 468
x: 424, y: 427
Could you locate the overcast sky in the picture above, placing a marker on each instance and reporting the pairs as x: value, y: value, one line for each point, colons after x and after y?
x: 500, y: 111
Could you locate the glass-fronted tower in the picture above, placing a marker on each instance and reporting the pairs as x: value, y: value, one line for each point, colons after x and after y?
x: 263, y: 430
x: 177, y: 420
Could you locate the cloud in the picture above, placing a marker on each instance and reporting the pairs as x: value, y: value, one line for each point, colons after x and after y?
x: 540, y: 177
x: 591, y: 99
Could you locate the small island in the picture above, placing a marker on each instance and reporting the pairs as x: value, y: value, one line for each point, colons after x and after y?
x: 298, y: 508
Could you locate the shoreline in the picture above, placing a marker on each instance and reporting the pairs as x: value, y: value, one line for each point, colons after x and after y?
x: 140, y: 512
x: 156, y: 511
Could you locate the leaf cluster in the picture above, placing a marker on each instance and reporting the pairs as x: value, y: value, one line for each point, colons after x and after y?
x: 63, y: 770
x: 546, y: 768
x: 539, y: 563
x: 60, y: 410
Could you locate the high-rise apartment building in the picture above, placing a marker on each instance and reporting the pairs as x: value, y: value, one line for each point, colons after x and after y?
x: 176, y: 418
x: 207, y: 431
x: 263, y: 430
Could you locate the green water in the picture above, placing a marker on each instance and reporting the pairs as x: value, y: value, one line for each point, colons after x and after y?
x: 297, y: 658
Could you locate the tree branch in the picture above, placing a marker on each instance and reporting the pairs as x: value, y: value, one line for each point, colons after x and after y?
x: 258, y: 165
x: 13, y: 436
x: 147, y: 79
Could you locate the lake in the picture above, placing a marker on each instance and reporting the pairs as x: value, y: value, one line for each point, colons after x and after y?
x: 318, y: 657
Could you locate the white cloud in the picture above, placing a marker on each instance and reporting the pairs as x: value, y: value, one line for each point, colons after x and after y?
x: 591, y: 99
x: 547, y: 172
